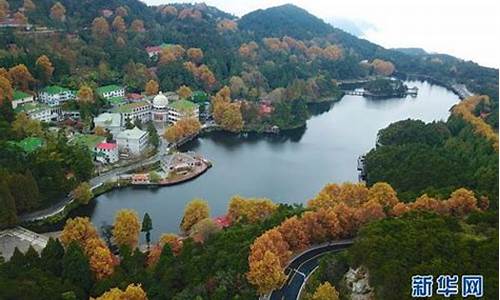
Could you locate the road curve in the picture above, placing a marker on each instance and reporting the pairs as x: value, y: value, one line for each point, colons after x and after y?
x: 301, y: 265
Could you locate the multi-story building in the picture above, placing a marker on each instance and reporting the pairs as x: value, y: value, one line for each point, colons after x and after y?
x: 135, y: 111
x: 181, y: 109
x: 53, y: 95
x: 132, y: 141
x: 40, y: 112
x: 109, y: 91
x: 106, y: 153
x: 20, y: 98
x: 110, y: 121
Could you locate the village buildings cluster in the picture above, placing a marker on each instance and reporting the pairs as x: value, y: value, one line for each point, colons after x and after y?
x: 124, y: 109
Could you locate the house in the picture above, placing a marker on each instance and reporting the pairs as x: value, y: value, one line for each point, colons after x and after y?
x: 88, y: 140
x: 110, y: 121
x: 53, y: 95
x: 132, y: 141
x: 135, y: 111
x: 182, y: 109
x: 134, y: 97
x: 265, y: 108
x: 107, y: 153
x: 111, y: 90
x: 40, y: 112
x: 140, y: 178
x: 20, y: 97
x: 154, y: 51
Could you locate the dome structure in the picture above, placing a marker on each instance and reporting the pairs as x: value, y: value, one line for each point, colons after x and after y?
x: 160, y: 101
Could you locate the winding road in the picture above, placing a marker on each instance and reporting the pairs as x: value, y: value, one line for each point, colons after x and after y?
x: 302, y: 265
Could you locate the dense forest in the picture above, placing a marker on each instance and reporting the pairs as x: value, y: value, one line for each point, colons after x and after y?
x: 432, y: 184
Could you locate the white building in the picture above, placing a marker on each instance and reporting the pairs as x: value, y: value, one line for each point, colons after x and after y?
x: 135, y: 111
x: 110, y: 121
x: 54, y: 95
x: 132, y: 141
x: 106, y: 153
x: 109, y: 91
x: 20, y: 98
x: 40, y: 112
x: 159, y: 112
x: 181, y: 109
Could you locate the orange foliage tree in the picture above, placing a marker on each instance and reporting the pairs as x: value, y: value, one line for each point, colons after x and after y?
x: 20, y: 77
x: 181, y: 129
x: 294, y: 233
x: 152, y: 88
x: 126, y: 228
x: 58, y: 12
x: 383, y: 67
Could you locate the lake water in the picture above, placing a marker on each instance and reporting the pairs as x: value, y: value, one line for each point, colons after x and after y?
x: 289, y: 168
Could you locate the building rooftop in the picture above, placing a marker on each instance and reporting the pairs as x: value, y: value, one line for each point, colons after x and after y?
x: 18, y: 95
x: 110, y: 119
x: 106, y: 146
x: 54, y: 89
x: 108, y: 88
x: 31, y: 108
x: 129, y: 107
x: 183, y: 105
x: 134, y: 133
x: 30, y: 144
x: 116, y: 101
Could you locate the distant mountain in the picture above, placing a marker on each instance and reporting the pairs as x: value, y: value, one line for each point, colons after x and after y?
x: 284, y: 20
x: 411, y: 51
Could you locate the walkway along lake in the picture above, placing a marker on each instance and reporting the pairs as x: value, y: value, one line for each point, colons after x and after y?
x: 290, y: 168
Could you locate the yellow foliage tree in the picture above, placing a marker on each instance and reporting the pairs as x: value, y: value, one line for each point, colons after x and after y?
x: 195, y: 211
x: 266, y: 274
x: 173, y: 240
x: 181, y: 129
x: 85, y: 94
x: 119, y: 24
x: 83, y: 193
x: 195, y: 54
x: 45, y: 65
x: 101, y: 260
x: 80, y: 230
x: 325, y: 291
x: 100, y: 28
x: 137, y: 26
x: 384, y: 194
x: 184, y: 92
x: 272, y: 241
x: 23, y: 126
x: 250, y: 209
x: 152, y: 88
x: 461, y: 203
x: 126, y: 228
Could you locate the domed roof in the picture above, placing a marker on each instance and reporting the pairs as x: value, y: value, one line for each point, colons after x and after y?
x: 160, y: 101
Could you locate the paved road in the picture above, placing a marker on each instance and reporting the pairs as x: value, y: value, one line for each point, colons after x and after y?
x: 94, y: 182
x: 301, y: 266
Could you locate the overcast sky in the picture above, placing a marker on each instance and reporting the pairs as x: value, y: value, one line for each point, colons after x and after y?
x: 465, y: 29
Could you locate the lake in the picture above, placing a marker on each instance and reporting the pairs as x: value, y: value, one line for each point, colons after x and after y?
x: 291, y: 167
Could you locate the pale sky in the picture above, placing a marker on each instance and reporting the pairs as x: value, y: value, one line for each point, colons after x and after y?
x: 465, y: 29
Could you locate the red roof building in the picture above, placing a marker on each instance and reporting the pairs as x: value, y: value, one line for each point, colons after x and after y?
x: 135, y: 97
x: 106, y: 146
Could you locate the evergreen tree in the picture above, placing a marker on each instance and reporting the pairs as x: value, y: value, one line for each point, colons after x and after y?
x: 76, y: 267
x: 147, y: 226
x: 52, y: 256
x: 8, y: 213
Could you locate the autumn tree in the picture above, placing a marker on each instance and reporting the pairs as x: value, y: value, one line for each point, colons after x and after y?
x: 250, y: 210
x: 249, y: 51
x: 325, y: 291
x: 85, y: 94
x: 195, y: 55
x: 382, y: 67
x: 169, y: 10
x: 23, y: 126
x: 151, y: 88
x: 384, y: 194
x: 121, y: 11
x: 227, y: 25
x: 45, y: 68
x: 399, y: 209
x: 294, y: 233
x: 273, y: 241
x: 181, y: 129
x: 184, y: 92
x: 21, y: 77
x: 132, y: 292
x: 266, y: 274
x: 202, y: 230
x: 100, y: 131
x: 173, y: 240
x: 119, y: 24
x: 20, y: 18
x: 347, y: 218
x: 332, y: 52
x: 83, y: 193
x: 170, y: 54
x: 100, y: 28
x: 426, y: 203
x: 137, y: 26
x: 126, y: 228
x: 101, y: 260
x: 4, y: 8
x: 370, y: 211
x: 29, y: 6
x: 79, y: 230
x: 195, y: 211
x: 58, y: 12
x: 461, y: 203
x: 6, y: 91
x: 238, y: 87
